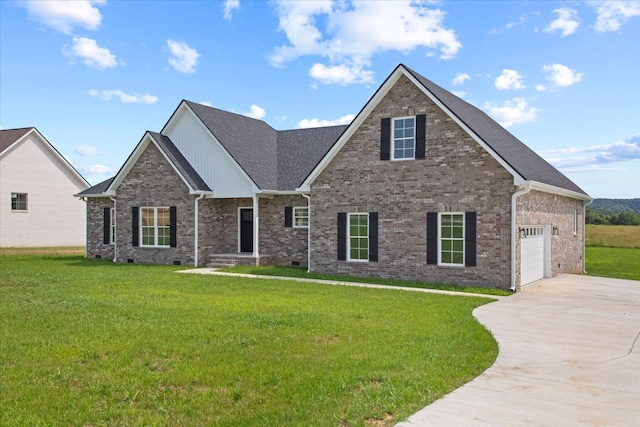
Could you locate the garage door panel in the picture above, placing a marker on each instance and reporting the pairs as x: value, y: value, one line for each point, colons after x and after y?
x: 532, y: 255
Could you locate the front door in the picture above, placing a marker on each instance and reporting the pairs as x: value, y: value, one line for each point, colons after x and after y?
x: 246, y: 230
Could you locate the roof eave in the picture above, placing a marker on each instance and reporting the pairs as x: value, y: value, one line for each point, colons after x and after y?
x: 546, y: 188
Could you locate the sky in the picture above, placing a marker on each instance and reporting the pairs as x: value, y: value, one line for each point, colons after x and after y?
x: 94, y: 75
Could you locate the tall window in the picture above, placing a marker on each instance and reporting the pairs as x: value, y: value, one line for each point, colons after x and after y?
x: 300, y: 216
x: 155, y: 225
x: 451, y: 239
x: 404, y: 138
x: 358, y: 237
x: 18, y: 201
x: 575, y: 222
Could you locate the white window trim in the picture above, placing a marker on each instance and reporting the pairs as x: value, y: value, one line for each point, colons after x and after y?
x: 26, y: 202
x: 299, y: 208
x: 575, y: 222
x: 155, y: 227
x: 393, y: 139
x: 349, y: 215
x: 464, y: 245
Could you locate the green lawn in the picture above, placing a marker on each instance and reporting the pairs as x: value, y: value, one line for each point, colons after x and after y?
x: 91, y: 343
x: 620, y: 263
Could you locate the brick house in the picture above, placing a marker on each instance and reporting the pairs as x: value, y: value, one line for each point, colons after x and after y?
x: 421, y: 185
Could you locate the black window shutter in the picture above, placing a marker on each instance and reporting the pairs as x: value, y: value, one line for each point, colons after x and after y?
x: 470, y: 239
x: 385, y: 139
x: 135, y: 223
x: 373, y: 236
x: 421, y: 127
x: 432, y: 238
x: 288, y: 216
x: 106, y: 231
x: 173, y: 225
x: 342, y: 236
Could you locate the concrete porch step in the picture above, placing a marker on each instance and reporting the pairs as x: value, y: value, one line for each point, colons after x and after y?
x: 230, y: 260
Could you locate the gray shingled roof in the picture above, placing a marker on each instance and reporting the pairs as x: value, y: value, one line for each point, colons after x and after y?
x: 97, y: 189
x: 521, y: 158
x: 9, y: 136
x: 188, y: 172
x: 274, y: 160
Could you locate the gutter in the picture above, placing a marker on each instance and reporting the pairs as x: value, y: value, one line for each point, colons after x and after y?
x: 308, y: 197
x: 115, y: 229
x: 514, y: 231
x: 584, y: 235
x: 196, y: 230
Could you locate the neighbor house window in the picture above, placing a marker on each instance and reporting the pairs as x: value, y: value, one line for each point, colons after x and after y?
x: 358, y: 237
x: 19, y: 202
x: 155, y: 226
x: 451, y: 233
x: 300, y: 216
x: 404, y: 138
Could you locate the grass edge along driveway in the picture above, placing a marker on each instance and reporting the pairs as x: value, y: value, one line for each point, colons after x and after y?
x: 87, y: 342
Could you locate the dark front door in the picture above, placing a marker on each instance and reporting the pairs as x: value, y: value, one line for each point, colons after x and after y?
x: 246, y: 230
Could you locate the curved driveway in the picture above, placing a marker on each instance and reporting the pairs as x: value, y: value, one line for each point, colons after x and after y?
x: 569, y: 356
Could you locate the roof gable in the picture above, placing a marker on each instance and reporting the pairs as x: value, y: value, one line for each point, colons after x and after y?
x: 10, y: 138
x: 510, y: 152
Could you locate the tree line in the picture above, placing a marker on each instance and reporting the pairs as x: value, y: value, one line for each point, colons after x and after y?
x: 614, y: 212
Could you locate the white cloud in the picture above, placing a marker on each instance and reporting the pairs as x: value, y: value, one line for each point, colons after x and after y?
x: 513, y: 112
x: 229, y: 7
x: 125, y: 98
x: 561, y: 75
x: 86, y: 150
x: 65, y: 15
x: 620, y: 151
x: 340, y: 74
x: 183, y: 58
x: 509, y: 79
x: 566, y: 22
x: 256, y: 112
x: 342, y: 33
x: 314, y: 123
x: 95, y: 169
x: 612, y: 14
x: 460, y: 78
x: 91, y: 54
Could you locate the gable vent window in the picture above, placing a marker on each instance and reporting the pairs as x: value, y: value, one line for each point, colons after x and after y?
x: 19, y: 202
x: 404, y: 138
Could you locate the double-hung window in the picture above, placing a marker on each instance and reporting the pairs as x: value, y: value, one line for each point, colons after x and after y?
x: 451, y: 239
x: 404, y: 138
x: 300, y: 216
x: 155, y: 226
x: 358, y: 237
x: 19, y: 202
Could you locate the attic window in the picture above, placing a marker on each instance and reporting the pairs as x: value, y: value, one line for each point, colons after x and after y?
x: 404, y: 138
x: 19, y: 202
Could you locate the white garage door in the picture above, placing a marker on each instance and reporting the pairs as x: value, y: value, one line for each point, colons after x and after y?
x: 532, y: 255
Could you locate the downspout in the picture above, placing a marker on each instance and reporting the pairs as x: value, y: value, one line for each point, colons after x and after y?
x: 308, y: 197
x: 196, y: 232
x: 584, y: 235
x: 514, y: 231
x: 115, y: 229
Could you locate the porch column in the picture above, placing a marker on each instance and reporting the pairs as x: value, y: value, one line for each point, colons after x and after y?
x: 256, y: 228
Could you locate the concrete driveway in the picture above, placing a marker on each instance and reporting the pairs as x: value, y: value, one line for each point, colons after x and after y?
x: 569, y: 356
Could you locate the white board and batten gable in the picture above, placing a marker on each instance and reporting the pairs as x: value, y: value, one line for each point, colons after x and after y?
x: 32, y: 168
x: 207, y: 155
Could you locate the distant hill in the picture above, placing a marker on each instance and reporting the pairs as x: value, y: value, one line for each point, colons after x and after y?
x: 614, y: 211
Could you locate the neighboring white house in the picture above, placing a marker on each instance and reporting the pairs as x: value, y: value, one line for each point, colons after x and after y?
x: 37, y: 184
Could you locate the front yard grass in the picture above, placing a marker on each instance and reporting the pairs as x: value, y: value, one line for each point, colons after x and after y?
x: 302, y: 273
x: 92, y: 343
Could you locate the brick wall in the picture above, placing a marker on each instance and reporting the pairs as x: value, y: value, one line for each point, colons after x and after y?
x: 152, y: 182
x: 96, y: 248
x: 457, y: 175
x: 281, y: 245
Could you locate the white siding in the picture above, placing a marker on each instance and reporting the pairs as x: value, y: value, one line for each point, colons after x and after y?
x: 209, y: 158
x: 54, y: 217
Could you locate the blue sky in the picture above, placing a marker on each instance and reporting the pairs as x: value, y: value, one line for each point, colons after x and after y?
x: 93, y: 76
